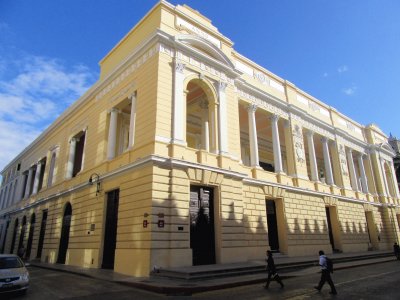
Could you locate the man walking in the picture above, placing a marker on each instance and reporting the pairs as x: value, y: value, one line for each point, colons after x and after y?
x: 396, y: 250
x: 271, y: 269
x: 325, y: 274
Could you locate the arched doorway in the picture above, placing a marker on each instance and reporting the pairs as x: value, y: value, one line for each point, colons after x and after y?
x: 30, y: 236
x: 14, y: 235
x: 66, y: 224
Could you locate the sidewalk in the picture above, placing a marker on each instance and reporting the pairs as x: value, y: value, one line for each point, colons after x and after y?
x: 287, y: 267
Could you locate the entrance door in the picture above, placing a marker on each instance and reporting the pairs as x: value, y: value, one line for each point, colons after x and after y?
x: 110, y: 232
x: 66, y: 224
x: 330, y: 230
x: 41, y: 234
x: 272, y: 223
x: 202, y: 239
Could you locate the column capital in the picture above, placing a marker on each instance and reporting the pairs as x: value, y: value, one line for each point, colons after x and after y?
x: 179, y: 67
x: 132, y: 97
x: 73, y: 139
x: 310, y: 133
x: 349, y: 150
x: 274, y: 118
x: 114, y: 109
x: 222, y: 86
x: 252, y: 108
x: 324, y: 140
x: 203, y: 104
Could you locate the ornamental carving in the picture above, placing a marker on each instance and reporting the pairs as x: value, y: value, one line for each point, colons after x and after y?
x: 343, y: 160
x: 298, y: 144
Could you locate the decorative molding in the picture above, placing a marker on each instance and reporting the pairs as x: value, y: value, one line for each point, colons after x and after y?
x: 182, y: 24
x: 330, y: 201
x: 262, y: 104
x: 274, y: 191
x: 191, y: 61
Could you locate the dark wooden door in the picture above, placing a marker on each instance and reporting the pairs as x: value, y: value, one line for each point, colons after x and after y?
x: 110, y: 232
x: 272, y: 223
x: 202, y: 239
x: 42, y: 233
x: 64, y: 240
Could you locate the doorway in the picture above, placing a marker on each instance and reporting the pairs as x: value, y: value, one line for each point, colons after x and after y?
x: 64, y: 240
x: 272, y: 224
x: 202, y: 238
x: 110, y: 231
x: 42, y: 233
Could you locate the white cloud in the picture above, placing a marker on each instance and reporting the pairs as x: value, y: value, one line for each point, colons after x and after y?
x: 32, y: 99
x: 343, y: 69
x: 350, y: 90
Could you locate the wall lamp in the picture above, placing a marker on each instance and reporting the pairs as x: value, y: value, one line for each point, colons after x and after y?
x: 95, y: 178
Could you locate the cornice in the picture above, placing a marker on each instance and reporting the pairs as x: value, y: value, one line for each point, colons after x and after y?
x: 170, y: 163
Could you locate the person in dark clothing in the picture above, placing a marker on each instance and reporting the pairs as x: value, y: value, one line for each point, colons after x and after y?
x: 396, y: 250
x: 271, y: 269
x: 21, y: 252
x: 325, y: 274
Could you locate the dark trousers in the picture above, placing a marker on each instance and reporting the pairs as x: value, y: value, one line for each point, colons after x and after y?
x: 274, y: 276
x: 326, y: 277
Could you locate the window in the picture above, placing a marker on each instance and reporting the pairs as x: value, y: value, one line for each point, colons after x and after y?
x: 51, y: 170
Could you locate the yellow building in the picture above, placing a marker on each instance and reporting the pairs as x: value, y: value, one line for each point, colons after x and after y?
x: 185, y: 153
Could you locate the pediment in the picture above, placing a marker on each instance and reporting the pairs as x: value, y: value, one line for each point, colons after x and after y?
x: 387, y: 147
x: 206, y: 47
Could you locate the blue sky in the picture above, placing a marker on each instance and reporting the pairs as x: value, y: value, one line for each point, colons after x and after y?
x: 343, y: 52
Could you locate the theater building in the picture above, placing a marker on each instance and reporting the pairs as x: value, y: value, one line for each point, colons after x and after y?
x: 185, y: 152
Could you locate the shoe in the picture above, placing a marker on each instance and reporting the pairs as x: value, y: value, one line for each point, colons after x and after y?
x: 317, y: 288
x: 282, y: 286
x: 266, y: 287
x: 333, y: 293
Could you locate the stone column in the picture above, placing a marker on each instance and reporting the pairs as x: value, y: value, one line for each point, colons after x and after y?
x: 112, y: 133
x: 178, y: 105
x: 71, y: 158
x: 327, y: 161
x: 370, y: 175
x: 37, y: 178
x: 312, y: 156
x: 205, y: 130
x: 352, y: 169
x: 132, y: 122
x: 254, y: 159
x: 385, y: 182
x: 28, y: 183
x: 364, y: 181
x: 395, y: 185
x: 276, y: 145
x: 223, y: 119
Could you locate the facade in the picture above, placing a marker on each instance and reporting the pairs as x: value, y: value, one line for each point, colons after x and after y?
x: 186, y: 153
x: 395, y: 143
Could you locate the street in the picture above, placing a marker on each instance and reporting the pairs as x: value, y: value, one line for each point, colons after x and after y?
x: 380, y: 281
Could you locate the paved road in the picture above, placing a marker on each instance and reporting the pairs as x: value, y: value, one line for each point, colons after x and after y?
x: 381, y: 281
